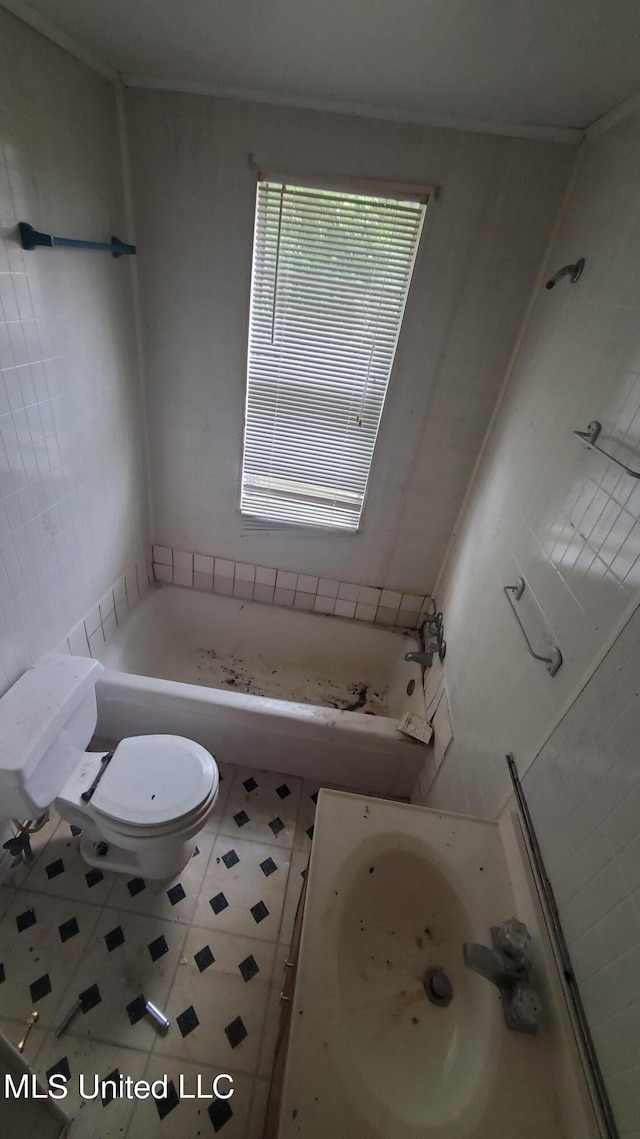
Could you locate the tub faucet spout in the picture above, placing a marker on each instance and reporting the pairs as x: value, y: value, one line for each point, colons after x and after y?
x: 425, y: 659
x: 507, y: 966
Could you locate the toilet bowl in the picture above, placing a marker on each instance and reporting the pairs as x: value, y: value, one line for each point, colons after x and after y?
x: 139, y: 807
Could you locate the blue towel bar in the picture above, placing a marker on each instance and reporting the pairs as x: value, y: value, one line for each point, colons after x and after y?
x: 31, y: 239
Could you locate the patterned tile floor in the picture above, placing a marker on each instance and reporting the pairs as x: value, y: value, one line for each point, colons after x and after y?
x: 208, y: 948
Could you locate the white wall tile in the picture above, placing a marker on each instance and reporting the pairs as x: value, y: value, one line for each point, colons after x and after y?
x: 307, y: 583
x: 368, y: 595
x: 163, y: 555
x: 304, y: 600
x: 182, y: 576
x: 222, y: 583
x: 223, y: 568
x: 262, y: 592
x: 243, y: 588
x: 324, y: 604
x: 202, y: 580
x: 245, y: 572
x: 162, y: 572
x: 284, y: 596
x: 348, y: 592
x: 202, y: 563
x: 265, y: 576
x: 182, y: 560
x: 286, y: 580
x: 345, y: 608
x: 365, y: 612
x: 328, y: 588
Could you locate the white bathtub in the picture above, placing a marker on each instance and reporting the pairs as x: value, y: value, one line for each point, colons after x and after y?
x: 265, y: 686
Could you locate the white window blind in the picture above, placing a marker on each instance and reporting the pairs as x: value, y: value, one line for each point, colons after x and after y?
x: 331, y: 273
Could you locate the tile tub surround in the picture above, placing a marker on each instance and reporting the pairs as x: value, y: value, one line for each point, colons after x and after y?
x: 288, y: 588
x: 112, y: 610
x: 208, y: 948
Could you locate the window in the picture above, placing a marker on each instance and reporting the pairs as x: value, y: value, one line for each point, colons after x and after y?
x: 331, y: 273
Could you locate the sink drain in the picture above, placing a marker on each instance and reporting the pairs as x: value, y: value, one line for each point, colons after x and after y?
x: 437, y: 986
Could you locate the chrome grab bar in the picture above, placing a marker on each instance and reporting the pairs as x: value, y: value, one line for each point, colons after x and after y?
x: 554, y: 660
x: 589, y: 437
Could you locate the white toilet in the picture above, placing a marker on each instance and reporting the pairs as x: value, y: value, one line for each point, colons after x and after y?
x: 139, y: 807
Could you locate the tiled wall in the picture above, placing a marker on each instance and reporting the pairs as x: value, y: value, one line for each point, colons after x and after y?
x: 88, y: 635
x: 544, y: 505
x: 72, y: 490
x: 284, y: 587
x: 584, y: 794
x: 478, y: 259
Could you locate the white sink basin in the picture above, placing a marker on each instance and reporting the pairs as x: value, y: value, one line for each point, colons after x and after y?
x: 393, y: 891
x: 399, y: 917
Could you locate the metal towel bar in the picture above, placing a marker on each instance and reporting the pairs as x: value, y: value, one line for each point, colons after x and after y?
x: 554, y: 659
x: 589, y: 437
x: 31, y: 238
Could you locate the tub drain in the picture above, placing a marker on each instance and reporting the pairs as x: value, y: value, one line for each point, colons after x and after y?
x: 411, y: 687
x: 437, y: 986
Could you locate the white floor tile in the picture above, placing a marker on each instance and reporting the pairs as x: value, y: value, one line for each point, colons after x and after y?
x: 176, y: 1118
x: 173, y: 899
x: 263, y: 805
x: 130, y: 958
x: 244, y: 888
x: 42, y: 940
x: 105, y: 1117
x: 218, y: 1001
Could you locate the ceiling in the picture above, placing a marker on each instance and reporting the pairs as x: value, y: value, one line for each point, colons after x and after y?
x: 554, y: 63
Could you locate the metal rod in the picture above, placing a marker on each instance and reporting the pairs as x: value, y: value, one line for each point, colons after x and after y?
x: 31, y: 238
x: 554, y: 659
x: 589, y: 437
x: 562, y: 952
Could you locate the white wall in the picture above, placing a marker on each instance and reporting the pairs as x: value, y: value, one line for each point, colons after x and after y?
x: 72, y: 494
x: 194, y: 201
x: 569, y: 521
x: 545, y: 506
x: 584, y: 794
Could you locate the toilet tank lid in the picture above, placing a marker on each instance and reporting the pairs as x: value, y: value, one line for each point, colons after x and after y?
x: 36, y: 707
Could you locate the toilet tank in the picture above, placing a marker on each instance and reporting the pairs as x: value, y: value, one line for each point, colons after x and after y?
x: 46, y: 722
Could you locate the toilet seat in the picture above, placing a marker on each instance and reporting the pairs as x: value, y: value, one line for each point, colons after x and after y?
x: 155, y: 785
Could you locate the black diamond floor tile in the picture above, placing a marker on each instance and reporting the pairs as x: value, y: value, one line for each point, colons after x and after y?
x: 204, y: 958
x: 54, y: 868
x: 158, y: 948
x: 218, y: 904
x: 276, y: 825
x: 75, y: 831
x: 236, y: 1032
x: 259, y: 912
x: 283, y: 791
x: 196, y: 851
x: 114, y: 938
x: 314, y: 797
x: 60, y: 1068
x: 3, y: 975
x: 268, y: 867
x: 241, y: 818
x: 135, y: 886
x: 40, y: 988
x: 187, y: 1020
x: 310, y: 831
x: 68, y: 929
x: 26, y: 920
x: 90, y: 998
x: 136, y: 1009
x: 230, y: 859
x: 249, y: 784
x: 93, y: 877
x: 109, y: 1094
x: 176, y: 894
x: 219, y: 1113
x: 249, y: 967
x: 170, y: 1101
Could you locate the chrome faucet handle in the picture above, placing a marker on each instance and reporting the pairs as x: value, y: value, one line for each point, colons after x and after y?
x: 512, y: 937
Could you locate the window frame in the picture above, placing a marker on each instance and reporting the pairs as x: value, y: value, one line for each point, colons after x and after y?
x: 422, y: 193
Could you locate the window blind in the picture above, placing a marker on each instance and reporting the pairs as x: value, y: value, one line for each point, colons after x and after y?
x: 331, y: 273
